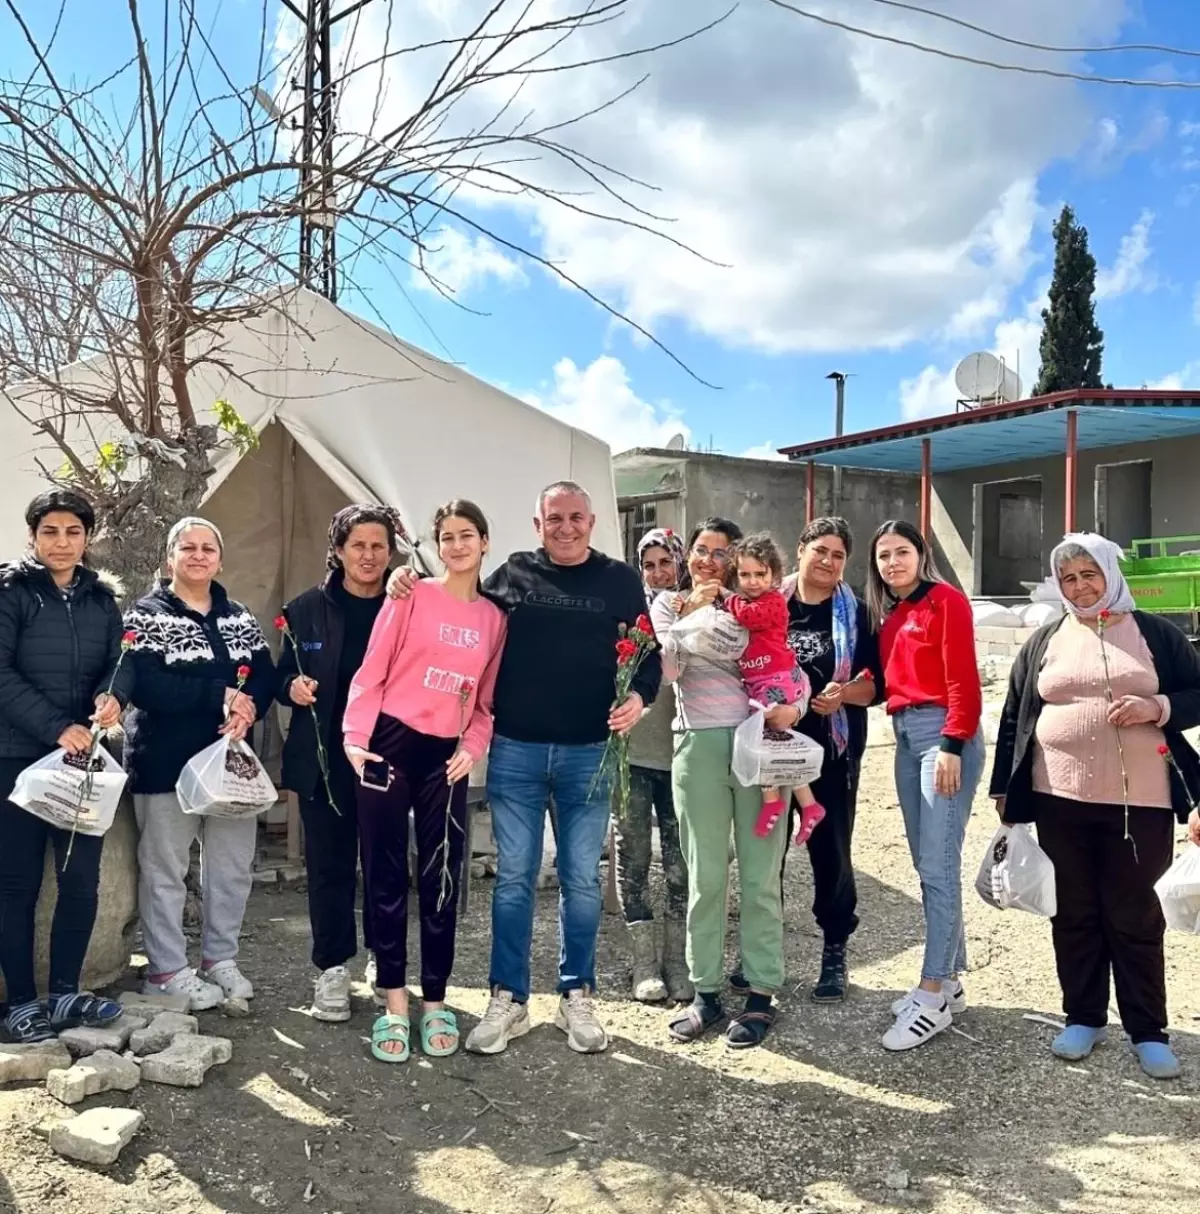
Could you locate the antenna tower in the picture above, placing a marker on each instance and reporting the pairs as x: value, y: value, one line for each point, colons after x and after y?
x: 318, y: 197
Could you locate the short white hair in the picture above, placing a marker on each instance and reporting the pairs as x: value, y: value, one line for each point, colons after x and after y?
x: 560, y: 487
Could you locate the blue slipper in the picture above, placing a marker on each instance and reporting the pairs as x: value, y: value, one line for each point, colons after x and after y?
x: 1157, y: 1059
x: 1077, y: 1041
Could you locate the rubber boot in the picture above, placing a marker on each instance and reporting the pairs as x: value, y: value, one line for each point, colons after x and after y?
x: 675, y: 966
x: 647, y: 978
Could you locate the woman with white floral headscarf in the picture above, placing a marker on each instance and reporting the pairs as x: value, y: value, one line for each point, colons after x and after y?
x: 655, y: 977
x: 1091, y: 748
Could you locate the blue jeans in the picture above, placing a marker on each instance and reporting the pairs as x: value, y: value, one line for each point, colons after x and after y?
x: 935, y: 826
x: 521, y: 778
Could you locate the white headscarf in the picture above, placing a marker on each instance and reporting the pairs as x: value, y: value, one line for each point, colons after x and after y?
x: 1106, y: 554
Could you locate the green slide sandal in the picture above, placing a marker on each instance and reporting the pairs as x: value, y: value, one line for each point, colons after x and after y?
x: 389, y: 1028
x: 441, y: 1022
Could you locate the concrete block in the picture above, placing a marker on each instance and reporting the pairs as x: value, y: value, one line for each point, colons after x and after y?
x: 151, y: 1005
x: 21, y: 1063
x: 104, y: 1071
x: 96, y: 1136
x: 115, y: 1036
x: 185, y: 1062
x: 161, y: 1031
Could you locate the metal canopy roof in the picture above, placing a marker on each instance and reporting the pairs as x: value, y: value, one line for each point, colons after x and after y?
x: 1008, y: 433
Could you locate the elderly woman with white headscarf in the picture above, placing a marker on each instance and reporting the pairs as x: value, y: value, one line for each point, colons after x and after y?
x: 1091, y: 748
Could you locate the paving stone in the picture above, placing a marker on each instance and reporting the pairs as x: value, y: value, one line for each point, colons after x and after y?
x: 96, y: 1136
x: 115, y: 1036
x: 153, y: 1004
x: 24, y: 1062
x: 104, y: 1071
x: 185, y: 1062
x: 161, y: 1031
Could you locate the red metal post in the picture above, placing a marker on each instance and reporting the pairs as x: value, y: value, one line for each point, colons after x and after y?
x: 1072, y: 472
x: 926, y: 487
x: 810, y: 491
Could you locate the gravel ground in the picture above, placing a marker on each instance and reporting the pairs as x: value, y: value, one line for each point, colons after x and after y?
x: 983, y: 1121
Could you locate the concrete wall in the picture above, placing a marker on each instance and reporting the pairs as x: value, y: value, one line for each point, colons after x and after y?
x: 1174, y: 506
x: 769, y: 495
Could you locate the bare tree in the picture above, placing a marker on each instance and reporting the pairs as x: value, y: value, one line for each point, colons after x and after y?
x: 145, y: 213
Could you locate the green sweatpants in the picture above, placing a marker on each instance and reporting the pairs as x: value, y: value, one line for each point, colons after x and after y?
x: 708, y: 801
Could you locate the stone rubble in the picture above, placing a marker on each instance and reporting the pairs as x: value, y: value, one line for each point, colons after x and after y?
x: 96, y: 1136
x: 20, y: 1063
x: 115, y: 1036
x: 151, y: 1005
x: 185, y: 1062
x: 161, y: 1031
x: 102, y: 1072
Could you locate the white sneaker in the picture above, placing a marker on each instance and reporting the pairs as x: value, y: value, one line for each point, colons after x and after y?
x: 504, y: 1019
x: 201, y: 995
x: 576, y: 1017
x: 230, y: 979
x: 331, y: 998
x: 952, y: 991
x: 916, y: 1024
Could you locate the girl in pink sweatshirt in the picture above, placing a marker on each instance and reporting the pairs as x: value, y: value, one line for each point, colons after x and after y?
x: 418, y: 718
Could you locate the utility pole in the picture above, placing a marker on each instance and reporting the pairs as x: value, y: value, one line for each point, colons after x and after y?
x: 318, y: 197
x: 839, y: 422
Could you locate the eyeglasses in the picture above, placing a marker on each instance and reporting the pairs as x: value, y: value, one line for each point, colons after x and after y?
x: 719, y: 555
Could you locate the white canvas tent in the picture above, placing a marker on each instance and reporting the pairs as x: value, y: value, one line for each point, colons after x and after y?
x: 346, y: 412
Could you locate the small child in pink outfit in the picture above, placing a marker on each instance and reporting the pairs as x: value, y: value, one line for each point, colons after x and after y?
x: 769, y: 669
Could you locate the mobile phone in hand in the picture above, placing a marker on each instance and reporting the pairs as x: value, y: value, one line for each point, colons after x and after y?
x: 376, y: 774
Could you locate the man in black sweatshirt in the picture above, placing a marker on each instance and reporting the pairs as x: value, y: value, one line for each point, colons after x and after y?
x: 553, y: 713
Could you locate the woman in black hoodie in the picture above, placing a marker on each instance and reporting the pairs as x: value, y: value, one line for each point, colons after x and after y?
x: 332, y: 624
x: 60, y: 646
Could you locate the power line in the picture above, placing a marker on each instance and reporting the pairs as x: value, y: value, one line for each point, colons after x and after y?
x: 1127, y: 47
x: 1022, y: 69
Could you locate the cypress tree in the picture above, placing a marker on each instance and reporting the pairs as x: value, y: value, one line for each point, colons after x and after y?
x: 1072, y: 344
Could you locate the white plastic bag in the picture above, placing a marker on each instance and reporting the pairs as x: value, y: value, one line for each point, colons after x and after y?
x: 1178, y: 890
x: 711, y: 633
x: 773, y: 758
x: 1016, y: 874
x: 225, y: 780
x: 61, y: 790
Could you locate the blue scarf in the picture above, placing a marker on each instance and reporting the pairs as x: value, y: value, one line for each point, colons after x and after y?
x: 845, y: 640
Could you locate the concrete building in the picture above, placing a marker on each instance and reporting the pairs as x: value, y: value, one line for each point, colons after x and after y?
x: 1000, y: 484
x: 657, y: 487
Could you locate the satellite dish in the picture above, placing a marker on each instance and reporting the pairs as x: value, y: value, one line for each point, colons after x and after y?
x: 982, y: 377
x: 677, y: 442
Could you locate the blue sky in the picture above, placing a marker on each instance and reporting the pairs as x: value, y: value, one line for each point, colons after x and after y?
x: 873, y: 210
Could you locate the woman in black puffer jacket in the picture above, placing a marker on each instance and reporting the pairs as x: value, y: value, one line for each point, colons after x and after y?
x: 60, y: 645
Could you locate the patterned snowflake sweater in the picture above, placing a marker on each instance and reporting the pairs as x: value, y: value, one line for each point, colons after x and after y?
x: 183, y: 663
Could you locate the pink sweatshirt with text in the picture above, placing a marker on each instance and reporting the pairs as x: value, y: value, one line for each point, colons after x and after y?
x: 425, y: 652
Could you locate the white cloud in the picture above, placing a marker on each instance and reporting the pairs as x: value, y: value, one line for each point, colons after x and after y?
x: 767, y: 450
x: 1112, y: 146
x: 848, y: 195
x: 1015, y: 340
x: 1131, y: 271
x: 598, y: 398
x: 456, y: 262
x: 1186, y: 378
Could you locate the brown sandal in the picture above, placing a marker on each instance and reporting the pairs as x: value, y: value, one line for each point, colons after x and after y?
x: 694, y: 1021
x: 755, y: 1026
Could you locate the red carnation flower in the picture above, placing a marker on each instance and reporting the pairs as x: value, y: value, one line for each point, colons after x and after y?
x: 281, y: 623
x: 625, y: 651
x: 1164, y: 749
x: 1106, y: 614
x: 129, y: 640
x: 643, y: 624
x: 243, y: 673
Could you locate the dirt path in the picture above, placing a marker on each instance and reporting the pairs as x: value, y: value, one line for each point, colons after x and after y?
x: 822, y: 1120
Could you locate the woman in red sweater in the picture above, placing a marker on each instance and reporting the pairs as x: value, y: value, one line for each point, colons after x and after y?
x: 931, y: 680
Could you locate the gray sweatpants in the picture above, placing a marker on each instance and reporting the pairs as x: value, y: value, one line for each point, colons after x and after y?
x: 227, y: 848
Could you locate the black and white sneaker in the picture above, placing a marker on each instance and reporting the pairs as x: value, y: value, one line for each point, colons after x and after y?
x: 916, y: 1024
